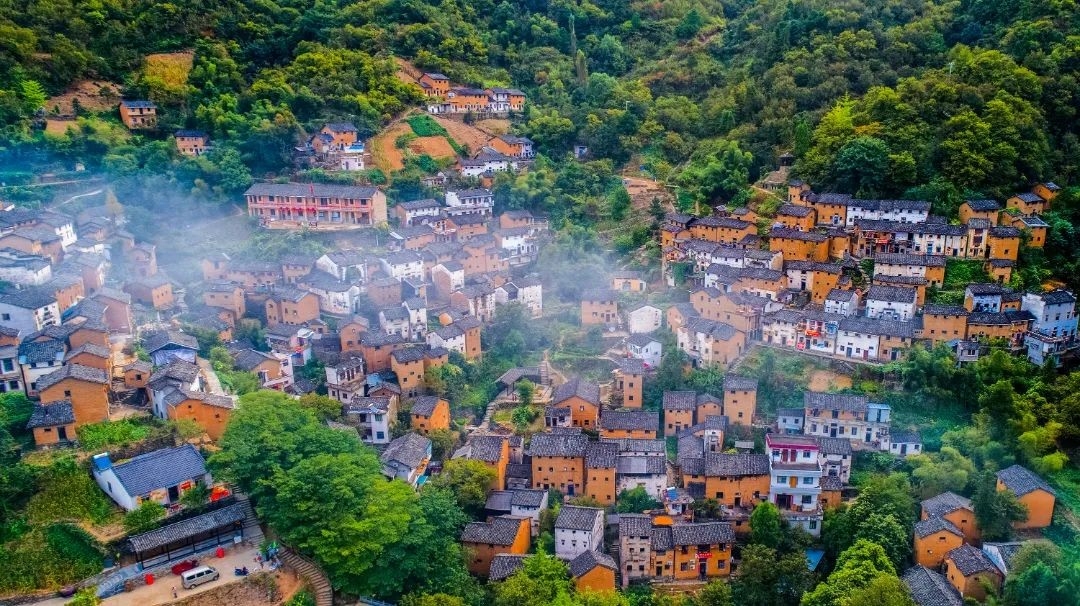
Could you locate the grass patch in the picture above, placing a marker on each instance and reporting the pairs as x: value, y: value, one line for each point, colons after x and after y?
x: 426, y: 126
x: 171, y: 69
x: 96, y: 436
x: 67, y: 493
x: 959, y: 273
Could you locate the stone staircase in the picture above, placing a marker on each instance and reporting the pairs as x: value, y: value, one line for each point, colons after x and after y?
x: 252, y: 531
x: 324, y: 594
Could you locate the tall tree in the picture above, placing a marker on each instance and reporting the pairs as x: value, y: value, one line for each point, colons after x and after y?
x: 766, y: 526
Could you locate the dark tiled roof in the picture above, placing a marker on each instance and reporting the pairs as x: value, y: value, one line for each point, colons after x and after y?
x: 519, y: 470
x: 41, y: 351
x: 185, y: 529
x: 160, y: 469
x: 794, y: 210
x: 527, y: 498
x: 791, y: 412
x: 646, y: 420
x: 834, y: 401
x: 704, y: 533
x: 909, y: 259
x: 1029, y: 197
x: 304, y: 190
x: 905, y: 437
x: 249, y: 359
x: 1058, y: 297
x: 929, y: 588
x: 51, y: 414
x: 831, y: 483
x: 944, y: 310
x: 945, y: 503
x: 29, y: 298
x: 637, y: 445
x: 794, y: 234
x: 925, y: 528
x: 983, y: 205
x: 632, y: 366
x: 969, y: 560
x: 980, y: 290
x: 740, y: 383
x: 178, y: 370
x: 73, y: 371
x: 662, y: 539
x: 572, y: 517
x: 601, y: 455
x: 680, y: 400
x: 1021, y: 481
x: 634, y: 525
x: 409, y: 354
x: 590, y: 392
x: 1003, y: 231
x: 504, y: 565
x: 733, y: 465
x: 485, y: 448
x: 499, y: 500
x: 586, y: 561
x: 424, y: 405
x: 838, y: 294
x: 500, y: 531
x: 410, y: 450
x: 159, y: 339
x: 837, y: 446
x: 892, y: 294
x: 641, y: 465
x: 558, y: 445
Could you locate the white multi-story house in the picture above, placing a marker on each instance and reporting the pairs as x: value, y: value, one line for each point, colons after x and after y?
x: 345, y: 378
x: 842, y: 302
x: 449, y: 337
x: 23, y: 269
x: 1054, y: 330
x: 646, y: 348
x: 577, y: 530
x: 403, y: 265
x: 903, y: 211
x: 469, y: 202
x: 29, y: 310
x: 795, y: 479
x: 336, y: 297
x: 852, y: 417
x: 372, y: 416
x: 891, y: 302
x: 345, y: 265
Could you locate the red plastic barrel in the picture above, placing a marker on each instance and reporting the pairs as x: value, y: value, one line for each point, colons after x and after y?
x: 149, y: 578
x: 220, y: 553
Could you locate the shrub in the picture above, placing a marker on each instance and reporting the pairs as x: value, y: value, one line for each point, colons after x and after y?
x: 48, y: 558
x: 86, y: 596
x: 98, y: 436
x: 145, y: 517
x: 302, y: 598
x: 67, y: 492
x: 426, y: 126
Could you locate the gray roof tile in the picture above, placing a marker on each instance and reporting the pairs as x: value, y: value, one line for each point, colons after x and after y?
x: 646, y: 420
x: 572, y: 517
x: 51, y: 414
x: 929, y: 588
x: 969, y: 560
x: 500, y: 531
x: 160, y: 469
x: 73, y: 371
x: 586, y: 561
x: 1022, y: 481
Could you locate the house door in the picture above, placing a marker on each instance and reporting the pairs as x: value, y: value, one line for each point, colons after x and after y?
x: 832, y: 431
x: 61, y: 433
x: 659, y: 571
x: 867, y: 436
x: 738, y: 500
x: 783, y: 501
x: 903, y: 449
x: 570, y: 490
x: 701, y: 568
x: 849, y: 351
x: 174, y: 494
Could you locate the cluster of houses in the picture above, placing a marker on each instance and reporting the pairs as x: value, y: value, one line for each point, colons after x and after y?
x: 445, y: 98
x: 952, y: 563
x: 801, y: 292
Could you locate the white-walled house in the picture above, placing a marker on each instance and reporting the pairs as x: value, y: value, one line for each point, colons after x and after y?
x: 162, y: 476
x: 577, y: 530
x: 645, y: 348
x: 644, y: 319
x: 890, y: 302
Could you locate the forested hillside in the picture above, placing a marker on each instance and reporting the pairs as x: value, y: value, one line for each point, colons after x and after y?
x: 874, y: 96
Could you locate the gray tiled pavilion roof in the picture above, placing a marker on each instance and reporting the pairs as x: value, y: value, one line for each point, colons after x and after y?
x: 179, y: 531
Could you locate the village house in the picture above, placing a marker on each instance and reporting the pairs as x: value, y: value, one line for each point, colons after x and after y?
x: 177, y: 375
x: 1028, y: 203
x: 486, y: 162
x: 792, y: 216
x: 790, y: 420
x: 558, y: 462
x: 345, y: 378
x: 85, y: 387
x: 316, y: 206
x: 905, y: 443
x: 740, y: 399
x: 599, y: 306
x: 289, y: 305
x: 226, y: 295
x: 1032, y: 226
x: 797, y: 245
x: 52, y: 423
x: 708, y: 342
x: 819, y: 279
x: 503, y: 100
x: 970, y: 572
x: 629, y: 383
x: 646, y: 348
x: 417, y: 212
x: 578, y: 530
x: 890, y: 303
x: 646, y: 471
x: 274, y: 372
x: 138, y: 114
x: 164, y: 346
x: 930, y: 588
x: 835, y: 458
x: 91, y: 355
x: 512, y: 145
x: 434, y: 84
x: 522, y: 503
x: 209, y: 411
x: 10, y: 370
x: 137, y: 374
x: 627, y: 281
x: 643, y: 319
x: 795, y: 479
x: 956, y: 510
x: 504, y: 565
x: 1053, y: 330
x: 162, y: 476
x: 429, y: 413
x: 470, y: 202
x: 846, y: 416
x: 581, y: 399
x: 934, y: 538
x: 593, y: 571
x: 29, y: 310
x: 485, y: 540
x: 987, y: 210
x: 406, y: 458
x: 493, y: 452
x: 943, y: 323
x: 679, y: 408
x: 1031, y: 491
x: 640, y: 424
x: 373, y: 416
x: 192, y: 142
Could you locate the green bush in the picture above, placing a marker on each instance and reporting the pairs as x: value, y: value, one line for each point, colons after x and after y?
x: 97, y: 436
x: 145, y: 517
x: 302, y: 598
x: 426, y: 126
x: 66, y: 492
